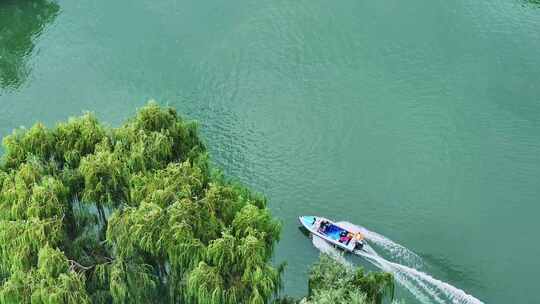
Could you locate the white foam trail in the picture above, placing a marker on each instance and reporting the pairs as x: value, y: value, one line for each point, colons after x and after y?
x: 389, y: 247
x: 430, y: 290
x: 423, y: 286
x: 324, y: 247
x: 422, y: 292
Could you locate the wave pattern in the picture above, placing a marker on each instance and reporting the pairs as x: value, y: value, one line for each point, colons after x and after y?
x: 402, y: 263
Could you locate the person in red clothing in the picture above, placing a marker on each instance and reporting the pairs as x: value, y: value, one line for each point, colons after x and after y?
x: 345, y: 237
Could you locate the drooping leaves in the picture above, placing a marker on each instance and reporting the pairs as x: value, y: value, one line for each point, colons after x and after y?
x: 77, y: 138
x: 52, y: 281
x: 128, y: 215
x: 105, y: 177
x: 38, y: 141
x: 332, y: 282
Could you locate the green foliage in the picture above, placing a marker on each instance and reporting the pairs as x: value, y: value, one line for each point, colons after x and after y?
x: 105, y: 177
x: 49, y: 199
x: 37, y: 141
x: 251, y: 217
x: 90, y: 214
x: 205, y: 285
x: 164, y: 187
x: 335, y: 296
x: 21, y: 240
x: 51, y: 281
x: 128, y: 215
x: 65, y: 145
x: 332, y: 282
x: 132, y: 282
x: 77, y: 138
x: 156, y: 137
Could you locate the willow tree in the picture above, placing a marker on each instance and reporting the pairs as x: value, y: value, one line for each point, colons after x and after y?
x: 332, y: 282
x: 94, y: 214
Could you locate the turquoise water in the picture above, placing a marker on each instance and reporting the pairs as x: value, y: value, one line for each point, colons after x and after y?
x: 417, y: 119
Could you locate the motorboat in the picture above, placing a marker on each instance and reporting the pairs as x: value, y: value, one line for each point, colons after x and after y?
x: 333, y: 233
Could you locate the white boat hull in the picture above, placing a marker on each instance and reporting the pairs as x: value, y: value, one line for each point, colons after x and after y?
x: 311, y: 224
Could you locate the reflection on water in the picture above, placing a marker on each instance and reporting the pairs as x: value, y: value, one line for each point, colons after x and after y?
x: 21, y: 21
x: 535, y: 3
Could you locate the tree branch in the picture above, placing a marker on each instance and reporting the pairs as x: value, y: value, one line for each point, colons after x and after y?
x: 75, y: 266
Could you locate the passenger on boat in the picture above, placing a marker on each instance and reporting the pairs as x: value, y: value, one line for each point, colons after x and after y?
x: 323, y: 226
x: 344, y: 237
x: 350, y: 236
x: 358, y: 237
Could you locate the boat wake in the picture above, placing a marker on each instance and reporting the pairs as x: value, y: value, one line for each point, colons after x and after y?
x: 398, y: 252
x: 325, y: 247
x: 403, y: 264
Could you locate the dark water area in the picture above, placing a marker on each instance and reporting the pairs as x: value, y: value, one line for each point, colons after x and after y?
x: 419, y: 120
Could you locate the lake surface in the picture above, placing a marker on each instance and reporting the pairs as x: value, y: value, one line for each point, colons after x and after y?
x: 418, y: 119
